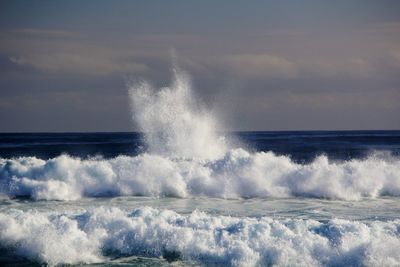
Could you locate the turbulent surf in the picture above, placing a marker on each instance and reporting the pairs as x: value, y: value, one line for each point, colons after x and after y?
x: 305, y: 198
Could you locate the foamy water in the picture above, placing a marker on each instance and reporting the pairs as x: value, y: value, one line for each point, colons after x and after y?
x: 91, y: 236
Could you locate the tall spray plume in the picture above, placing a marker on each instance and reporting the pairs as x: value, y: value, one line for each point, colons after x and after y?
x: 174, y: 122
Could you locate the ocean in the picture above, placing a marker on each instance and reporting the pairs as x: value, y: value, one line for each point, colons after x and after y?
x: 298, y: 198
x: 186, y: 193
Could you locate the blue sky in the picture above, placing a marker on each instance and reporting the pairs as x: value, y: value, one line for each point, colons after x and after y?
x: 260, y: 65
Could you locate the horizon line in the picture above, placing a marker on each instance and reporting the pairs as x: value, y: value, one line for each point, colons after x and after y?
x: 233, y: 131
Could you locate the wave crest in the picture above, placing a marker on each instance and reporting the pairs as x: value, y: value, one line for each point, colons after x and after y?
x: 237, y: 174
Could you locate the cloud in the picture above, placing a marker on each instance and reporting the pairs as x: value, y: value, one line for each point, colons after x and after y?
x: 274, y: 80
x: 78, y: 63
x: 67, y: 52
x: 268, y: 66
x: 343, y: 67
x: 34, y: 32
x: 261, y: 66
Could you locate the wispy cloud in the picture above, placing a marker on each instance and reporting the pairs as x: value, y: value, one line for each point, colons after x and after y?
x: 261, y: 66
x: 45, y: 32
x: 78, y: 63
x: 65, y: 52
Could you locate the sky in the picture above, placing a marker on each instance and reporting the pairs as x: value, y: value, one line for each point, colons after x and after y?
x: 258, y: 65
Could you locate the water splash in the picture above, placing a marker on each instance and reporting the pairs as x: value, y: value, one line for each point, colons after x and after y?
x: 175, y: 123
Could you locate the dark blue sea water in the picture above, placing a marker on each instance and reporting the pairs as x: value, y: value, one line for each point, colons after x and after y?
x: 304, y: 198
x: 301, y: 146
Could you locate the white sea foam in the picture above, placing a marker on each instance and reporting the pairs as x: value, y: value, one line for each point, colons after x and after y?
x: 90, y: 236
x: 237, y: 174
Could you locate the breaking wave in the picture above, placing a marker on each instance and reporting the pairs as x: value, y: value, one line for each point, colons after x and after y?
x: 93, y: 235
x: 186, y: 157
x: 236, y: 174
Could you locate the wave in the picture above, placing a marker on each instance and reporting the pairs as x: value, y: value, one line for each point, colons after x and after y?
x: 94, y: 235
x: 237, y: 174
x: 187, y: 158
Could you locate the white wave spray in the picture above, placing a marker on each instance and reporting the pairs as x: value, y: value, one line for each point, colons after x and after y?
x: 174, y: 123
